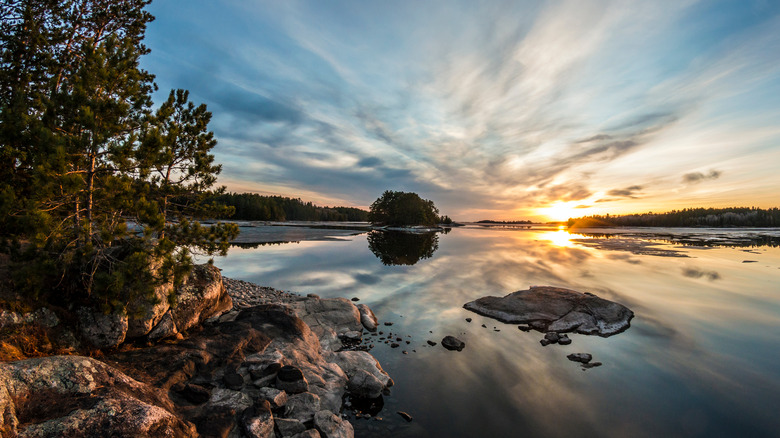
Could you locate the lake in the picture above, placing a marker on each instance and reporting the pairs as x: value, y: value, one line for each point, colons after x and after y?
x: 701, y: 358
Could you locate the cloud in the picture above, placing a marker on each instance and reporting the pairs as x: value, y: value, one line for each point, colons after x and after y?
x: 697, y: 177
x: 517, y: 104
x: 628, y: 192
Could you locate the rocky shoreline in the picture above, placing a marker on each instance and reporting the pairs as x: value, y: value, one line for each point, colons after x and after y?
x: 275, y: 364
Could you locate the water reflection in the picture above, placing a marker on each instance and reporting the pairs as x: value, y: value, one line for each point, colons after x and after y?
x: 399, y: 248
x: 700, y: 358
x: 698, y: 273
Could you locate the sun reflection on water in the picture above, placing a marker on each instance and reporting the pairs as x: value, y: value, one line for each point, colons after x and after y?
x: 561, y: 237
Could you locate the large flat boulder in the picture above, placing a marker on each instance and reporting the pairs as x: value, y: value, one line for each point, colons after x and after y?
x: 554, y: 309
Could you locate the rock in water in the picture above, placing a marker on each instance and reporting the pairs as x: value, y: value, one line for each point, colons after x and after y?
x: 452, y: 343
x: 580, y: 357
x: 367, y: 317
x: 405, y: 416
x: 556, y: 310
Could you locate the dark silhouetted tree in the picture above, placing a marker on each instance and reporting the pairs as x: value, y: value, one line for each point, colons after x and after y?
x: 402, y: 209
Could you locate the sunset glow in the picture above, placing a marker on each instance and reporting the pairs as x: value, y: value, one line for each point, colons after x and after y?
x: 561, y: 211
x: 523, y: 110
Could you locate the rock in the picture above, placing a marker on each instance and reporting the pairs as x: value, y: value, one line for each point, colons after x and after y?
x: 394, y: 345
x: 291, y: 380
x: 274, y: 396
x: 195, y: 393
x: 591, y: 365
x: 556, y: 309
x: 468, y: 319
x: 431, y: 343
x: 146, y: 313
x: 311, y: 433
x: 552, y: 337
x: 355, y: 299
x: 264, y: 364
x: 354, y: 363
x: 388, y: 323
x: 201, y: 297
x: 564, y: 340
x: 218, y: 422
x: 405, y: 416
x: 289, y: 426
x: 8, y: 318
x: 233, y: 380
x: 525, y: 328
x: 363, y: 384
x: 452, y: 343
x: 331, y: 426
x: 44, y: 317
x: 302, y: 407
x: 352, y: 336
x: 72, y: 396
x: 367, y: 318
x: 545, y: 342
x: 165, y: 328
x: 580, y: 357
x: 259, y: 421
x: 228, y: 398
x: 102, y: 330
x: 328, y: 318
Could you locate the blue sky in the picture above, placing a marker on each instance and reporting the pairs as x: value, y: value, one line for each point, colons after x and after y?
x: 491, y: 109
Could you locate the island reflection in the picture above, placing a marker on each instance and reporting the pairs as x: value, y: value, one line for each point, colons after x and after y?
x: 401, y: 248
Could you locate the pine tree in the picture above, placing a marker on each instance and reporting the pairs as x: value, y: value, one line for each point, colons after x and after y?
x: 77, y: 154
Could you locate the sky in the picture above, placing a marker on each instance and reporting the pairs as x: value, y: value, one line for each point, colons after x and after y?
x: 493, y: 110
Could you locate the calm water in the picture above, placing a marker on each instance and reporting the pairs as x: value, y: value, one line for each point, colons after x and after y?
x: 702, y: 356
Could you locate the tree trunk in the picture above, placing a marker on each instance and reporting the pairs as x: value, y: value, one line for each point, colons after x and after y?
x: 90, y: 189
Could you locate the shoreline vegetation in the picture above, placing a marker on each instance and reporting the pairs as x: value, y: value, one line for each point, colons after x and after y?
x: 689, y: 218
x: 254, y: 207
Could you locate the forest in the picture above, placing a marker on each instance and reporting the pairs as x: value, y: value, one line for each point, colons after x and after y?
x: 689, y: 217
x: 254, y: 207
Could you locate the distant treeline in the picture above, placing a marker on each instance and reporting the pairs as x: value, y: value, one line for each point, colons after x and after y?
x: 689, y: 217
x: 254, y: 207
x: 487, y: 221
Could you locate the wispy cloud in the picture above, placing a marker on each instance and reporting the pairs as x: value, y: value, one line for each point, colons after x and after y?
x: 489, y: 109
x: 697, y: 177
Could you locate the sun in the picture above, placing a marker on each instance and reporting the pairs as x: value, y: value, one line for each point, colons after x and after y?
x: 561, y: 211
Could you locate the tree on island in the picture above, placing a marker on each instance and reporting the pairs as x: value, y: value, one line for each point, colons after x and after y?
x: 82, y: 157
x: 403, y: 209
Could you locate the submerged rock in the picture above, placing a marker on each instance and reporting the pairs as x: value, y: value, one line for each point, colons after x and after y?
x: 556, y: 309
